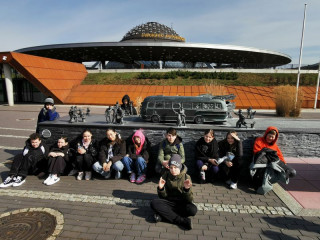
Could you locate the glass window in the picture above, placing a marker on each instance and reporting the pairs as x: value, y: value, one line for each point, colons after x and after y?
x: 151, y: 104
x: 218, y: 106
x: 159, y: 105
x: 168, y: 105
x: 196, y: 105
x: 187, y: 105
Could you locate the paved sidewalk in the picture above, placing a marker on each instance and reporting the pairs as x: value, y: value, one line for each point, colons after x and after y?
x: 118, y: 209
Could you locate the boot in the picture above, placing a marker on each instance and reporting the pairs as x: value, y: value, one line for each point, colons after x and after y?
x: 184, y: 222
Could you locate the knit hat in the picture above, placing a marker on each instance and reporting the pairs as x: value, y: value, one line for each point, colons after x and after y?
x: 176, y: 161
x: 49, y: 100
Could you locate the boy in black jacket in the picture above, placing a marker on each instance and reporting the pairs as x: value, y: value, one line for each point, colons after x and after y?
x: 30, y: 161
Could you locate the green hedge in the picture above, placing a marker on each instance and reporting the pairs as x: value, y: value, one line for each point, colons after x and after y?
x: 189, y: 75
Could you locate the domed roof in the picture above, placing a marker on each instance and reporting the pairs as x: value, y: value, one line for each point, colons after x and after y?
x: 152, y: 31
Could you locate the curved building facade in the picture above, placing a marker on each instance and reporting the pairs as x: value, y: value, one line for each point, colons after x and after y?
x: 156, y: 42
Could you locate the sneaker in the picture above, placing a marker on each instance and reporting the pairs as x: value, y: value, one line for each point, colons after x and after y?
x: 73, y: 172
x: 132, y: 177
x: 88, y: 175
x: 228, y: 182
x: 19, y: 181
x: 8, y: 182
x: 187, y: 223
x: 108, y: 175
x: 80, y: 176
x: 118, y: 175
x: 141, y: 179
x: 53, y: 180
x: 202, y: 177
x: 233, y: 185
x: 157, y: 217
x: 48, y: 179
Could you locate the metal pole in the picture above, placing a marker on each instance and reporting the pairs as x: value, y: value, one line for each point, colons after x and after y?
x: 317, y: 89
x: 300, y: 56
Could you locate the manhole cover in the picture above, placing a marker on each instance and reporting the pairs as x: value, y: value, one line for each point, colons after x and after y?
x: 27, y: 225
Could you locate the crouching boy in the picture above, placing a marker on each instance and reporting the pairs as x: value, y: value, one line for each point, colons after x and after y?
x: 31, y: 161
x: 175, y: 195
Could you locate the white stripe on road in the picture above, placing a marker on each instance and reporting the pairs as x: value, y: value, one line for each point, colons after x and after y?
x: 18, y: 129
x: 14, y: 136
x: 105, y: 200
x: 11, y: 148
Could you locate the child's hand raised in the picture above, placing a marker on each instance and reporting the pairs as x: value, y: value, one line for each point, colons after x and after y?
x: 187, y: 184
x: 162, y: 182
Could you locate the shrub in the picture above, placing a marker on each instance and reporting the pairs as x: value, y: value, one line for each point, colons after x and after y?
x: 285, y: 97
x: 138, y: 102
x: 216, y: 89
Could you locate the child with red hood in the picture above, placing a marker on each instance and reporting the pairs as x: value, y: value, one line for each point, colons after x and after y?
x: 135, y: 162
x: 269, y: 140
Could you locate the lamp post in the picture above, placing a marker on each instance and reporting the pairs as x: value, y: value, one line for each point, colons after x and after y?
x: 300, y: 56
x: 317, y: 89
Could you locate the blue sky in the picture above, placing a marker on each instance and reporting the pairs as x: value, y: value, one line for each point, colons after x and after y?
x: 266, y: 24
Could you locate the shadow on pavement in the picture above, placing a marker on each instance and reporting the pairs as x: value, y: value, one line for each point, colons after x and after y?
x: 291, y: 224
x: 138, y: 200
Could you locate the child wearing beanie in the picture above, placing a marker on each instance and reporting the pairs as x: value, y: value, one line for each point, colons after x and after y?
x: 175, y: 195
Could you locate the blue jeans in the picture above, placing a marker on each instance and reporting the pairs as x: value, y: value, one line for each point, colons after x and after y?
x: 139, y: 164
x: 117, y: 166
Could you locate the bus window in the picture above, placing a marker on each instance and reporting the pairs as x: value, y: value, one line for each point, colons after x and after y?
x: 218, y: 106
x: 151, y: 105
x: 211, y: 106
x: 168, y: 105
x: 159, y: 105
x: 176, y: 105
x: 196, y: 105
x: 187, y: 105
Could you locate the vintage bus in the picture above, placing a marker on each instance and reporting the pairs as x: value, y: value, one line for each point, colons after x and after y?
x: 198, y: 109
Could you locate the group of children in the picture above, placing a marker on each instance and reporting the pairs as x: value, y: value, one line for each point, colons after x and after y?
x: 112, y: 155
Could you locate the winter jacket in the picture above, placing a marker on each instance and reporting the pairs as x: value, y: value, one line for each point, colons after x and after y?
x: 144, y: 152
x: 166, y: 150
x: 174, y: 187
x: 129, y: 110
x: 38, y: 154
x: 261, y: 143
x: 92, y: 148
x: 205, y: 151
x: 48, y: 115
x: 235, y: 148
x: 267, y: 169
x: 64, y: 150
x: 118, y: 150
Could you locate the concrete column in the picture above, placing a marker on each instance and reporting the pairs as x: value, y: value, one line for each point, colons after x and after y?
x: 9, y: 83
x: 160, y: 64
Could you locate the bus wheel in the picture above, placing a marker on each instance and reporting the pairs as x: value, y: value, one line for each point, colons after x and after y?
x: 155, y: 119
x: 198, y: 120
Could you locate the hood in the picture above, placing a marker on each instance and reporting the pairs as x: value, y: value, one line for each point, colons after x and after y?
x: 177, y: 140
x: 268, y: 130
x: 139, y: 134
x: 126, y: 97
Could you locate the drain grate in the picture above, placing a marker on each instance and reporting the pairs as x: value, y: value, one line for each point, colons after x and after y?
x: 27, y: 225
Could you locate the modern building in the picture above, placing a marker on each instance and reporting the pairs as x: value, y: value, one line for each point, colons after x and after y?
x: 153, y: 44
x: 31, y: 74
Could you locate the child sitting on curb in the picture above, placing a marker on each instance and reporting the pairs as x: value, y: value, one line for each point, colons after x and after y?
x: 58, y: 156
x: 175, y: 195
x: 31, y: 161
x: 172, y: 144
